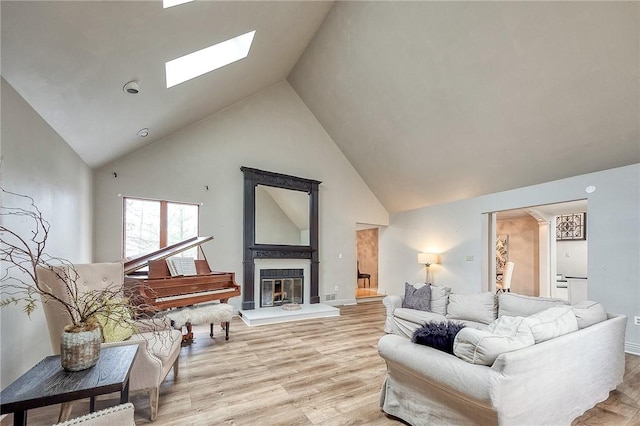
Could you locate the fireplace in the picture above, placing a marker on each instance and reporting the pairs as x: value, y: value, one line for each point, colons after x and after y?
x: 281, y: 286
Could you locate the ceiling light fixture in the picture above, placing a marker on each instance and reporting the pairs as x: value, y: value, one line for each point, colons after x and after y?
x: 208, y: 59
x: 143, y: 133
x: 132, y: 88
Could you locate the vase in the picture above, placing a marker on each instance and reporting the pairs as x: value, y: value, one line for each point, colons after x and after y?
x: 80, y: 350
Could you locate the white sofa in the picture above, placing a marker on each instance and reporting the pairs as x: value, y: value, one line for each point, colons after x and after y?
x: 546, y: 383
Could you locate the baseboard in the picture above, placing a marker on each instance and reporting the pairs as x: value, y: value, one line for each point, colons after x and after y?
x: 632, y: 348
x: 340, y: 302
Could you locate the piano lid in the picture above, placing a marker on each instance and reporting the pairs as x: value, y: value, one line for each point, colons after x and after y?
x: 163, y: 253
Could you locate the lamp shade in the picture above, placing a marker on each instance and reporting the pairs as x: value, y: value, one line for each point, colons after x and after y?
x: 427, y: 258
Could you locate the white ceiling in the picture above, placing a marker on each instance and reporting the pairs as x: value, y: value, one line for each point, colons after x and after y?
x: 70, y: 60
x: 430, y: 101
x: 439, y: 101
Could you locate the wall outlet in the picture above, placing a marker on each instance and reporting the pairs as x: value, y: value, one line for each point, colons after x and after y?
x: 636, y: 320
x: 470, y: 258
x: 336, y: 288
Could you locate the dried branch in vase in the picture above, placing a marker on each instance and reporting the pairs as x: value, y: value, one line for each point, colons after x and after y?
x: 29, y: 275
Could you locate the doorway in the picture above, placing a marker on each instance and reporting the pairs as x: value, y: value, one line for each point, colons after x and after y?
x: 366, y: 261
x: 548, y: 261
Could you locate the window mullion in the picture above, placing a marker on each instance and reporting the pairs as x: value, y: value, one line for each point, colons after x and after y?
x: 163, y: 224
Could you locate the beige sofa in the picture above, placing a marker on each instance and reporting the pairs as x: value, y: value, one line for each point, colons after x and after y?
x: 550, y: 382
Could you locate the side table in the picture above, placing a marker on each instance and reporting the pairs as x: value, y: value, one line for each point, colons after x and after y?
x: 47, y: 383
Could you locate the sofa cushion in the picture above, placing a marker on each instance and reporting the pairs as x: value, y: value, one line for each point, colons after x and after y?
x: 438, y: 335
x: 482, y: 347
x: 417, y: 316
x: 417, y: 298
x: 588, y: 313
x: 552, y: 322
x: 517, y: 305
x: 439, y: 299
x: 480, y: 307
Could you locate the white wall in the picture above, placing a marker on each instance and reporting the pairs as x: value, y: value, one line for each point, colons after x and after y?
x: 572, y: 257
x: 37, y: 162
x: 455, y: 230
x: 272, y: 130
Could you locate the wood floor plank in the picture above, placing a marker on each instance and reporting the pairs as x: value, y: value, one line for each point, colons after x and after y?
x: 313, y: 372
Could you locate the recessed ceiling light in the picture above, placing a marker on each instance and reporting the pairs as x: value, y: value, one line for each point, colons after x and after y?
x: 132, y: 88
x: 208, y: 59
x: 143, y: 133
x: 171, y: 3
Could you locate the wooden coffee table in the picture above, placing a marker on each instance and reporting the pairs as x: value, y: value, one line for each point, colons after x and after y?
x: 47, y: 383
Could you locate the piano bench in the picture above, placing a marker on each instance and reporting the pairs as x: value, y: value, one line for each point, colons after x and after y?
x: 200, y: 314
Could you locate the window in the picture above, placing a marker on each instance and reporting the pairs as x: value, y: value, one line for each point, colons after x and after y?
x: 153, y: 224
x: 208, y: 59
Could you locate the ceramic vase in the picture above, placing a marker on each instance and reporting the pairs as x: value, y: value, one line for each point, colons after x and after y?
x: 80, y: 350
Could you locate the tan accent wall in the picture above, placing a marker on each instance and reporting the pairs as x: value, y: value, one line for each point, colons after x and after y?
x: 523, y: 252
x: 367, y: 254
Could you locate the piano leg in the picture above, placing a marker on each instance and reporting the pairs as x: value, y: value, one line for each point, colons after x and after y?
x: 189, y: 336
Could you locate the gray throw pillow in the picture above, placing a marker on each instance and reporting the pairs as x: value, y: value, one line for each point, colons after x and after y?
x: 417, y: 298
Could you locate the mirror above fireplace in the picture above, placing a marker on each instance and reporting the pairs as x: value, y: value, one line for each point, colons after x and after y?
x: 281, y: 216
x: 280, y: 222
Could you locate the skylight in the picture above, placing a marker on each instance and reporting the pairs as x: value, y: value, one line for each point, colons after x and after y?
x: 208, y: 59
x: 171, y: 3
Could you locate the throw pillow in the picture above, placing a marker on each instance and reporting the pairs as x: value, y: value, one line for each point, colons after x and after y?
x: 482, y: 347
x: 552, y: 322
x: 438, y: 335
x: 115, y: 321
x: 417, y: 298
x: 588, y: 313
x: 478, y: 307
x: 439, y: 299
x: 518, y: 305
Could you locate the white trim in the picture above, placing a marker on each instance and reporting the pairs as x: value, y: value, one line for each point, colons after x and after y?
x: 276, y: 314
x: 340, y: 302
x: 632, y: 348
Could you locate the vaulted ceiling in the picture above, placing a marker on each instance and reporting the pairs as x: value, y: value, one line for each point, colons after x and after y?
x: 430, y: 101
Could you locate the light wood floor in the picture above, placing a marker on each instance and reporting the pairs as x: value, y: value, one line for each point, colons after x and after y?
x: 316, y: 372
x: 367, y: 292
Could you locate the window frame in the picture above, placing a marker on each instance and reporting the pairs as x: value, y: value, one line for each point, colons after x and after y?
x: 164, y: 221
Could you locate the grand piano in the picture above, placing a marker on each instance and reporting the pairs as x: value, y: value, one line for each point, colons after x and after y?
x: 156, y: 290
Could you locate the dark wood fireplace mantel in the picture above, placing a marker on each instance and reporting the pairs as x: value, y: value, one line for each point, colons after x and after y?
x: 253, y: 250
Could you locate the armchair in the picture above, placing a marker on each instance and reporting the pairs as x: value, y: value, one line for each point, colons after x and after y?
x: 159, y: 349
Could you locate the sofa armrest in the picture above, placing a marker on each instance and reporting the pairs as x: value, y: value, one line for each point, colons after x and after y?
x: 157, y: 353
x: 391, y: 302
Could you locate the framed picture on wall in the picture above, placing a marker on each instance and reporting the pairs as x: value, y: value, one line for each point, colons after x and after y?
x: 571, y: 226
x: 502, y: 253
